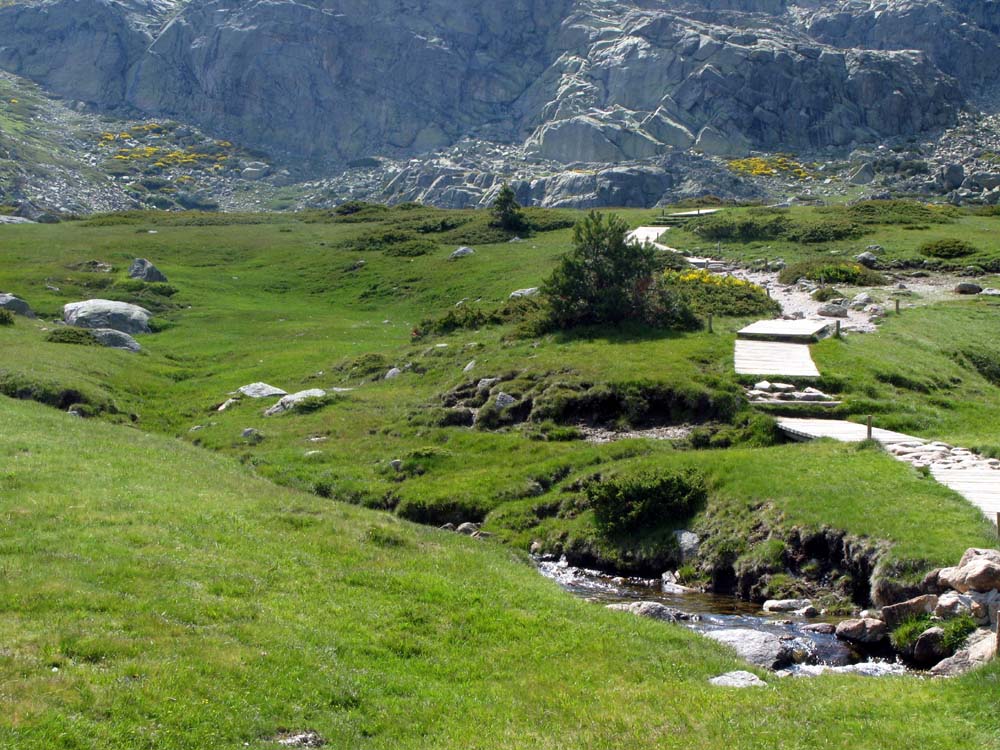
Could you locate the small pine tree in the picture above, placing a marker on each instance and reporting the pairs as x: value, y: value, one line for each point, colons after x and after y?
x: 608, y: 280
x: 506, y: 210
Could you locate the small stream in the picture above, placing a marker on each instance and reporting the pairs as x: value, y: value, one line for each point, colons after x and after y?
x: 815, y: 652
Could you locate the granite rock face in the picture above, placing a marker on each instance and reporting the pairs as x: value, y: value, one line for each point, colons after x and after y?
x: 324, y: 82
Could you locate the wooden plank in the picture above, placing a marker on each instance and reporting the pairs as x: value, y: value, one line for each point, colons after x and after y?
x: 789, y: 330
x: 838, y: 429
x: 770, y: 358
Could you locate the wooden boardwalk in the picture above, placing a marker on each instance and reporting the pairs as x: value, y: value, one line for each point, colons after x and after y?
x: 785, y: 330
x: 980, y: 486
x: 838, y: 429
x: 774, y: 358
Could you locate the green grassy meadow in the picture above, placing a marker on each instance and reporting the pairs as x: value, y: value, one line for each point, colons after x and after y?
x: 168, y: 583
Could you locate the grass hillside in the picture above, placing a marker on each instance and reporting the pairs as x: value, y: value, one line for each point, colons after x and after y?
x: 333, y: 300
x: 156, y: 595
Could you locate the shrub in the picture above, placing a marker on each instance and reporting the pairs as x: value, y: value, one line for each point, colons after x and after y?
x: 828, y: 271
x: 985, y: 361
x: 6, y: 318
x: 608, y: 280
x: 706, y: 293
x: 826, y: 293
x: 823, y: 231
x: 741, y: 227
x: 506, y: 211
x: 956, y: 630
x: 630, y: 502
x: 948, y: 248
x: 898, y: 212
x: 78, y: 336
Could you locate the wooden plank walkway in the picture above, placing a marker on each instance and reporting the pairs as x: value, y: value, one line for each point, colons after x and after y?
x: 980, y: 486
x: 785, y: 330
x: 774, y: 358
x: 646, y: 234
x: 838, y: 429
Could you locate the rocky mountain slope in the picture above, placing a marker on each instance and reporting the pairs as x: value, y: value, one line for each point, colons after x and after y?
x: 320, y: 85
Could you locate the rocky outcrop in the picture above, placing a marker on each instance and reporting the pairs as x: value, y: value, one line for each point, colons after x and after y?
x: 571, y: 80
x: 15, y: 305
x: 116, y: 340
x: 103, y: 313
x: 295, y: 401
x: 143, y: 270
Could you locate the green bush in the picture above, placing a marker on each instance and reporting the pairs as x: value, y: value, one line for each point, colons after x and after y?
x: 6, y: 318
x: 741, y: 227
x: 947, y: 248
x: 898, y: 212
x: 826, y: 293
x: 823, y: 231
x: 708, y: 293
x: 79, y: 336
x: 632, y: 502
x: 827, y: 271
x: 608, y: 280
x: 956, y: 630
x: 506, y: 211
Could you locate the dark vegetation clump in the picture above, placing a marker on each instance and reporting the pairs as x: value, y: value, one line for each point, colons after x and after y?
x: 78, y: 336
x: 827, y: 271
x: 750, y: 226
x: 948, y: 248
x: 607, y: 280
x: 523, y: 311
x: 6, y: 318
x: 898, y: 212
x: 983, y: 360
x: 506, y: 211
x: 632, y: 502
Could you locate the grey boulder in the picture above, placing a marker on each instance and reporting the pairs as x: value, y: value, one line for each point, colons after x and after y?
x: 293, y: 401
x: 652, y: 610
x: 103, y: 313
x: 462, y: 252
x: 865, y: 630
x: 738, y: 679
x: 143, y: 270
x: 15, y: 305
x: 833, y: 311
x: 115, y: 340
x: 261, y: 390
x: 761, y: 649
x: 967, y: 287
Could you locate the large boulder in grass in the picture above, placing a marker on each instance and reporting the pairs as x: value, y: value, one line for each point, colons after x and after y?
x: 294, y: 401
x: 104, y: 313
x: 143, y: 270
x: 116, y: 340
x: 15, y: 305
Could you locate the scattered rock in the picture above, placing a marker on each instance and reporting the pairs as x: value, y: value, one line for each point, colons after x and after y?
x: 394, y: 373
x: 652, y: 610
x: 529, y: 292
x: 396, y: 464
x: 469, y: 367
x: 831, y: 310
x: 980, y: 648
x: 292, y: 401
x: 738, y: 679
x: 300, y: 739
x: 785, y: 605
x: 467, y: 528
x: 762, y: 649
x: 689, y: 543
x: 229, y: 403
x: 143, y: 270
x: 979, y: 553
x: 103, y: 313
x: 867, y: 259
x: 261, y: 390
x: 116, y: 340
x: 865, y: 630
x: 967, y: 287
x: 15, y: 305
x: 823, y: 628
x: 929, y: 647
x: 462, y: 252
x: 980, y: 574
x: 503, y: 400
x: 861, y: 301
x: 895, y: 615
x: 252, y: 435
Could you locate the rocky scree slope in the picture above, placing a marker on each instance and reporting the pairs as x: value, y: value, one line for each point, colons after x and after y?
x: 331, y: 81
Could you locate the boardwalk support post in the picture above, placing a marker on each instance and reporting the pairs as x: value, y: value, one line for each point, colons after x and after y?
x: 869, y: 426
x: 710, y: 329
x: 838, y: 329
x: 897, y: 306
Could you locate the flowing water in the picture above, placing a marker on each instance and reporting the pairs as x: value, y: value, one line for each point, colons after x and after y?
x: 814, y: 652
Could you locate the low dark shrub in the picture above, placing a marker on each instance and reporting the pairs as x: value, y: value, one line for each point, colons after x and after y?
x: 631, y: 502
x: 79, y: 336
x: 827, y: 271
x: 948, y: 248
x: 6, y: 318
